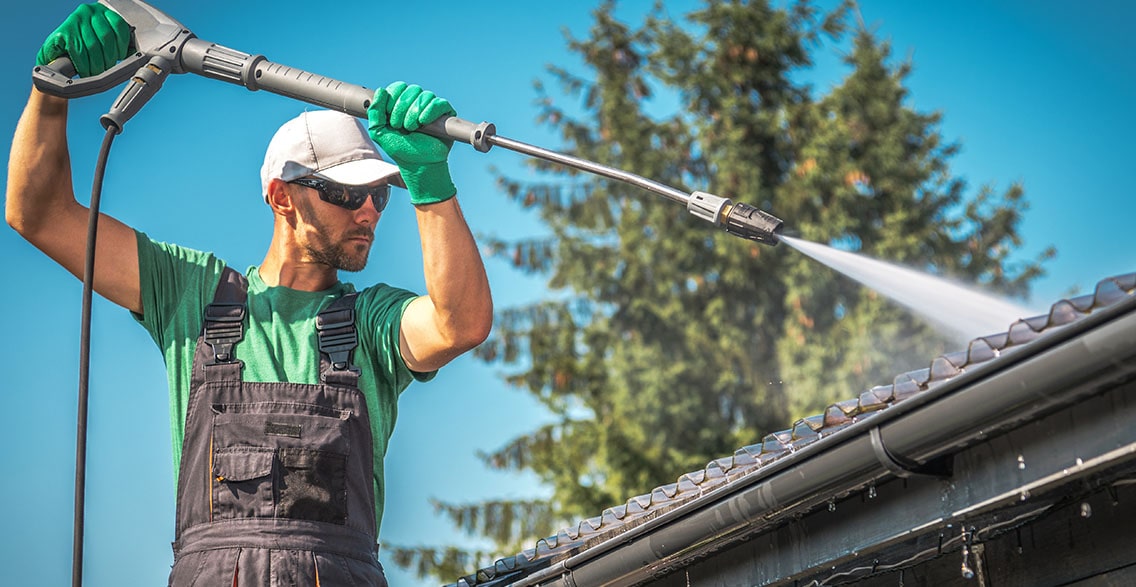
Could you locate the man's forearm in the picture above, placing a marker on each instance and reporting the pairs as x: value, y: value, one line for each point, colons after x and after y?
x: 41, y: 205
x: 39, y: 167
x: 455, y: 275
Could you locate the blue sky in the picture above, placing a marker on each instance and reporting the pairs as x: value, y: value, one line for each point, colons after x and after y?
x: 1038, y: 92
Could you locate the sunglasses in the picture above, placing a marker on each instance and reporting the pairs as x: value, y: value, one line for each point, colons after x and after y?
x: 350, y: 197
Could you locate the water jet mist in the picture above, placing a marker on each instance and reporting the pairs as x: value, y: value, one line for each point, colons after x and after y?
x: 957, y: 311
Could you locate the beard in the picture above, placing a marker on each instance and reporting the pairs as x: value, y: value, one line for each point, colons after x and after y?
x: 345, y: 256
x: 337, y: 253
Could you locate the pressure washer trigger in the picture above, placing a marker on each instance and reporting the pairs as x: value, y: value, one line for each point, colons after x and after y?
x: 58, y: 77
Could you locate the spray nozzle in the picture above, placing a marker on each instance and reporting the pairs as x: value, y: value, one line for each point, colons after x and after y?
x: 756, y: 225
x: 737, y: 218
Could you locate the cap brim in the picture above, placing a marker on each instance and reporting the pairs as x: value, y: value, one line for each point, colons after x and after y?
x: 363, y: 172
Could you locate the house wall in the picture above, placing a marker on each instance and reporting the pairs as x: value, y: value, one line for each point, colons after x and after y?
x: 1065, y: 547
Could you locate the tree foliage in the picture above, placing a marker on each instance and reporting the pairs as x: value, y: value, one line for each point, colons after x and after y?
x: 672, y: 343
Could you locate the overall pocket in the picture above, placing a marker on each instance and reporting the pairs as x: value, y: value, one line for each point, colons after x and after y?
x: 282, y: 460
x: 312, y: 485
x: 242, y: 480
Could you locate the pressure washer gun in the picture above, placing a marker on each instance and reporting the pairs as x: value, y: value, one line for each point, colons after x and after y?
x: 163, y: 46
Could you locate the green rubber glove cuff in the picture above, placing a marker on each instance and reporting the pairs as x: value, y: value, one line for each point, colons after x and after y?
x: 429, y: 183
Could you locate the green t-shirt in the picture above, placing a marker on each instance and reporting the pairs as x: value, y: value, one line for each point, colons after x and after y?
x: 280, y: 341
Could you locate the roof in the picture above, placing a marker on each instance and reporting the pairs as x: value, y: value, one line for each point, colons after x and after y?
x: 998, y: 382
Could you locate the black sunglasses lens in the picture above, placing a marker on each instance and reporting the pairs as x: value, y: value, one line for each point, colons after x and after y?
x: 380, y: 196
x: 348, y: 197
x: 351, y: 198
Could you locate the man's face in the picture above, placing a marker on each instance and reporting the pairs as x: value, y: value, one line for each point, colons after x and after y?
x: 331, y: 235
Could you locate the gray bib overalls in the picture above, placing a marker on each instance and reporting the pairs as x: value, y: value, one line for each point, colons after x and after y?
x: 276, y: 481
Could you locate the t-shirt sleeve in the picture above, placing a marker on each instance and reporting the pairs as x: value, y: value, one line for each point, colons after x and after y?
x: 382, y: 307
x: 176, y: 283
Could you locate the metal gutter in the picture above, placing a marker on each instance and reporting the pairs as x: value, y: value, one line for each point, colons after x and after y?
x: 1051, y: 371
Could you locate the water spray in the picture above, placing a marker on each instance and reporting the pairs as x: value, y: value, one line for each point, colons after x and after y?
x: 163, y: 46
x: 959, y: 312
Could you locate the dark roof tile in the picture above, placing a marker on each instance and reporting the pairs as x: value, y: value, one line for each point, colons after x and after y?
x: 803, y: 435
x: 942, y: 369
x: 837, y: 416
x: 996, y: 341
x: 815, y: 423
x: 1062, y: 313
x: 905, y: 386
x: 664, y: 493
x: 876, y: 398
x: 980, y: 350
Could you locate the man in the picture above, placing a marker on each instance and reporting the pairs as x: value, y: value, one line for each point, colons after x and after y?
x: 283, y: 380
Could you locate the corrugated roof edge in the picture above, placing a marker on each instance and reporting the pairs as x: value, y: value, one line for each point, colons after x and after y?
x: 779, y: 445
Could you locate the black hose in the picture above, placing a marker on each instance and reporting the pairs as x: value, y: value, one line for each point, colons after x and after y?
x: 85, y: 359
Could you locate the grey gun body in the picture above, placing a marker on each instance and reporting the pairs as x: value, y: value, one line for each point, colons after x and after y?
x: 257, y: 73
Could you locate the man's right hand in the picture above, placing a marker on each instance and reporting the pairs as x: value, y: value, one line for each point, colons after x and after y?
x: 94, y: 37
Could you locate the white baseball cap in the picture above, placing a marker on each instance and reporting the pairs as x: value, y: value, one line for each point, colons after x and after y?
x: 328, y: 144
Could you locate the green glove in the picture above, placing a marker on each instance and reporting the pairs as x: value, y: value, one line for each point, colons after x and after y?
x: 395, y: 113
x: 94, y: 37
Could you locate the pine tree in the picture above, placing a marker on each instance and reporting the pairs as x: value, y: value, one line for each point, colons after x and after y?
x: 874, y: 173
x: 670, y: 344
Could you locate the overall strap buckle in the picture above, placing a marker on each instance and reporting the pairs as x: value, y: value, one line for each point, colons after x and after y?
x: 224, y: 328
x: 335, y: 329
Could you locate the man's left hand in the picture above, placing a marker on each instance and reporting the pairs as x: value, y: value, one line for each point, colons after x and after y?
x: 395, y: 113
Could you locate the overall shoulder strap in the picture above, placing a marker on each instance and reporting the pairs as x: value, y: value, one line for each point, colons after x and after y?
x: 223, y: 325
x: 232, y: 289
x: 338, y: 337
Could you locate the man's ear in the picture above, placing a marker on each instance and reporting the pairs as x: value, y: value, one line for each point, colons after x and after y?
x: 279, y: 198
